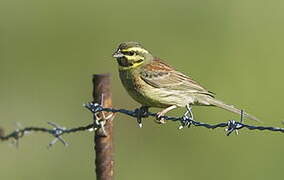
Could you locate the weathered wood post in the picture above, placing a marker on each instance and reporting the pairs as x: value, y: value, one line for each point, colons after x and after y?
x: 104, y: 142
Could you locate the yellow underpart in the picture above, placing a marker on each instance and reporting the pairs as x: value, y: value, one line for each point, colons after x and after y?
x: 130, y: 67
x: 137, y: 49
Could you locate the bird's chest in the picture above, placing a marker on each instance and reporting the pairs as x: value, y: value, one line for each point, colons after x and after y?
x: 136, y: 87
x: 148, y: 95
x: 131, y: 82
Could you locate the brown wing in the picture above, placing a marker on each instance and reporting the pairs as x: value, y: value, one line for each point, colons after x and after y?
x: 160, y: 75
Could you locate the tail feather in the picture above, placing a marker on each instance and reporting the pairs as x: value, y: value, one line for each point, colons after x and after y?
x: 230, y: 108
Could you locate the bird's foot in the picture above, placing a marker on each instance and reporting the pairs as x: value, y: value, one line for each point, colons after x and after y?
x: 159, y: 118
x: 141, y: 112
x: 160, y: 115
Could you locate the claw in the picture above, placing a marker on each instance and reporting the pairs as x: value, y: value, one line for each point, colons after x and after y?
x: 160, y: 119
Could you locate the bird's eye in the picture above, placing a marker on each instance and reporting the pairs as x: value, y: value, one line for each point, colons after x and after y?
x: 131, y: 53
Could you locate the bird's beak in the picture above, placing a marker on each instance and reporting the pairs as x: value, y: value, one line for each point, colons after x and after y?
x: 117, y: 54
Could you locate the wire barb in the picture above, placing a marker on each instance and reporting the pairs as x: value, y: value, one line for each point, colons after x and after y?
x: 141, y: 112
x: 99, y: 113
x: 100, y: 117
x: 187, y: 120
x: 57, y: 132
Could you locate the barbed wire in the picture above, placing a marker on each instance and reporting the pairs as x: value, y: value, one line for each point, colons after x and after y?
x: 186, y: 121
x: 57, y: 131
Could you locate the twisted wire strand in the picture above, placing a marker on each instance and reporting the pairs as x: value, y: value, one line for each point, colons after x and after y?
x: 56, y: 131
x: 185, y: 121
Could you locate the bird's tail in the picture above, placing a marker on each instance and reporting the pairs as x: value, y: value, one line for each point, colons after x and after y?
x: 231, y: 108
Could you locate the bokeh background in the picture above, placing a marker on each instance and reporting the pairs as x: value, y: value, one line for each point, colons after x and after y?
x: 49, y: 50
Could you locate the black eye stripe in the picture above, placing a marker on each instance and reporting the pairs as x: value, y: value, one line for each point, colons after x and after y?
x: 129, y: 53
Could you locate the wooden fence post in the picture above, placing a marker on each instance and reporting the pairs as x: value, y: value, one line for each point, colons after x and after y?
x: 104, y: 142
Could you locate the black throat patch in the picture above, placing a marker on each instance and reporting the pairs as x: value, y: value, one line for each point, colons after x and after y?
x: 124, y: 63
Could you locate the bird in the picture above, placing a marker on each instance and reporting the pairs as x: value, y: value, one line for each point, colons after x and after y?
x: 153, y: 83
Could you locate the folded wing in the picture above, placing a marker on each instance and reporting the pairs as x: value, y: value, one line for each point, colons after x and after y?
x: 160, y: 75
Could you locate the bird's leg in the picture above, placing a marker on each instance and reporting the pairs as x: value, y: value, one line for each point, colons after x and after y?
x: 141, y: 112
x: 186, y: 121
x: 159, y: 118
x: 189, y: 111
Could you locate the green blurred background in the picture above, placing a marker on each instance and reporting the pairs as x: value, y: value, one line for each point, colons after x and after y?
x: 49, y: 50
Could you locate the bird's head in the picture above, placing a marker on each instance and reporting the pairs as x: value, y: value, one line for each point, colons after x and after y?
x: 131, y: 55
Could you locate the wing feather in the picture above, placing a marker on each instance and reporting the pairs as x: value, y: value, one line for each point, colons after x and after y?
x: 160, y: 75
